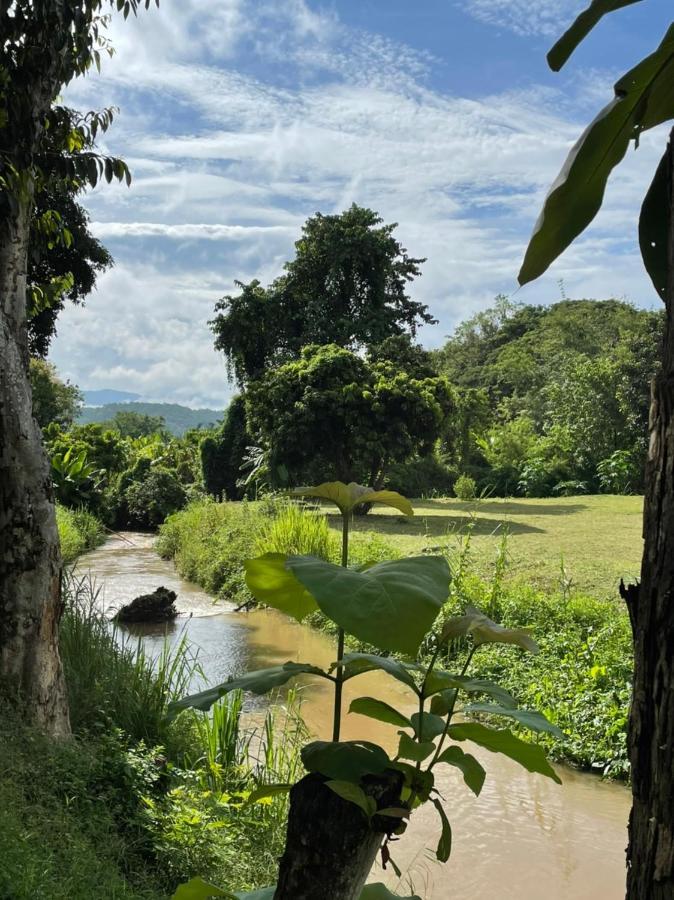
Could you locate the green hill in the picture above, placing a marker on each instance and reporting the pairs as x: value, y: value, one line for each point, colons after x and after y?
x: 178, y: 418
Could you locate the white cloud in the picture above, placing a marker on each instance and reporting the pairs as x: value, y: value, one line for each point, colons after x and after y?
x: 526, y: 17
x: 185, y: 231
x: 229, y: 158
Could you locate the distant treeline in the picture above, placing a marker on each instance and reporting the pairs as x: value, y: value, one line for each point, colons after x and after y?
x: 176, y: 419
x: 552, y: 399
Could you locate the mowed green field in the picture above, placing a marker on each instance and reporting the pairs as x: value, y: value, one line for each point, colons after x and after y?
x: 597, y: 537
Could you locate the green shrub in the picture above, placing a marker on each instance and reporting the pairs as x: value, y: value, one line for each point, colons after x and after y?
x: 144, y: 495
x: 79, y: 531
x: 581, y: 679
x: 465, y: 487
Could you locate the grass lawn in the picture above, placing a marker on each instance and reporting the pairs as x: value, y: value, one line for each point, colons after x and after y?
x: 598, y: 537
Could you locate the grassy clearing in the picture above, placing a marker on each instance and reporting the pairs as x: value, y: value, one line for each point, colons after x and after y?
x: 593, y: 541
x: 79, y: 531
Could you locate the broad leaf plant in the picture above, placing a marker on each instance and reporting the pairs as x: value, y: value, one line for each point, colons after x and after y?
x: 392, y: 605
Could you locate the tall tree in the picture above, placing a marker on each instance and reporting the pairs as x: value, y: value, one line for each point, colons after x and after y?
x: 45, y: 44
x: 644, y: 98
x: 347, y: 285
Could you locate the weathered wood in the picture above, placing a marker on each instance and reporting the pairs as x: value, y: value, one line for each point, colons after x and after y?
x: 651, y: 727
x: 30, y: 559
x: 330, y: 844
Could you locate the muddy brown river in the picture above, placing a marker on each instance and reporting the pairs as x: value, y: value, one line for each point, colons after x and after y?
x: 524, y: 838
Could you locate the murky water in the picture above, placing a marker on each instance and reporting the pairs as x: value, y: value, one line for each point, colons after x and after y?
x: 524, y: 838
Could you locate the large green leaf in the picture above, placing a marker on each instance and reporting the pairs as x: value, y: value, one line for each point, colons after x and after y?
x: 654, y: 226
x: 644, y: 98
x: 444, y: 848
x: 473, y: 772
x: 530, y: 756
x: 417, y: 751
x: 198, y: 889
x: 391, y: 605
x: 427, y: 725
x: 582, y: 26
x: 260, y: 682
x: 348, y: 496
x: 485, y: 631
x: 377, y: 709
x: 359, y: 663
x: 344, y: 760
x: 378, y: 891
x: 440, y: 681
x: 534, y: 721
x: 347, y: 790
x: 272, y: 583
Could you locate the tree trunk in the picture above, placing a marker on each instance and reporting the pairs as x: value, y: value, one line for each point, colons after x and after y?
x: 30, y: 558
x: 651, y: 605
x: 330, y: 844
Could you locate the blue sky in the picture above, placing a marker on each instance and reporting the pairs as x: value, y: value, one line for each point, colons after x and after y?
x: 240, y: 118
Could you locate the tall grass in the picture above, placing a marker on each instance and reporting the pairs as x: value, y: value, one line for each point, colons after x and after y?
x: 297, y: 531
x: 111, y: 679
x: 79, y: 531
x: 209, y: 541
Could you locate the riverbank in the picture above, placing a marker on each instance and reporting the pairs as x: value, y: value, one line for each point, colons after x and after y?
x: 581, y: 677
x: 133, y: 804
x: 522, y: 831
x: 79, y: 531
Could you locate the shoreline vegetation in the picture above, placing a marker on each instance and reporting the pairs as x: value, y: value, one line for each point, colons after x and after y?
x: 79, y: 531
x: 581, y: 677
x: 135, y: 804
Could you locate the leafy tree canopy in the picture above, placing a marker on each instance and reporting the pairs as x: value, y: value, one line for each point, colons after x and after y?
x: 134, y: 424
x: 53, y: 399
x: 562, y: 387
x: 62, y: 252
x: 347, y: 285
x: 332, y: 412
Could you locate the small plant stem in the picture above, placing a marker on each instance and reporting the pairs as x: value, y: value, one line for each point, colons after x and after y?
x: 339, y: 678
x: 451, y: 710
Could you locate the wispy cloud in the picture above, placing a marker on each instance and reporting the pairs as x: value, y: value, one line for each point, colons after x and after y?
x: 526, y: 17
x: 239, y: 123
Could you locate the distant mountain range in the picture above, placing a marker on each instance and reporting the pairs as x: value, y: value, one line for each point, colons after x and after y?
x: 100, y: 398
x: 178, y: 419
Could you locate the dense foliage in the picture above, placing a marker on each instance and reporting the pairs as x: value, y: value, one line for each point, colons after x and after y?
x: 347, y: 285
x: 53, y: 399
x: 62, y: 250
x: 552, y: 397
x: 175, y: 418
x: 223, y: 454
x: 128, y: 482
x: 334, y: 411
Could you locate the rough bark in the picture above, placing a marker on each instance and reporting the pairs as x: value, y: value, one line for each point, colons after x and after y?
x: 30, y: 559
x: 330, y: 844
x: 651, y: 728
